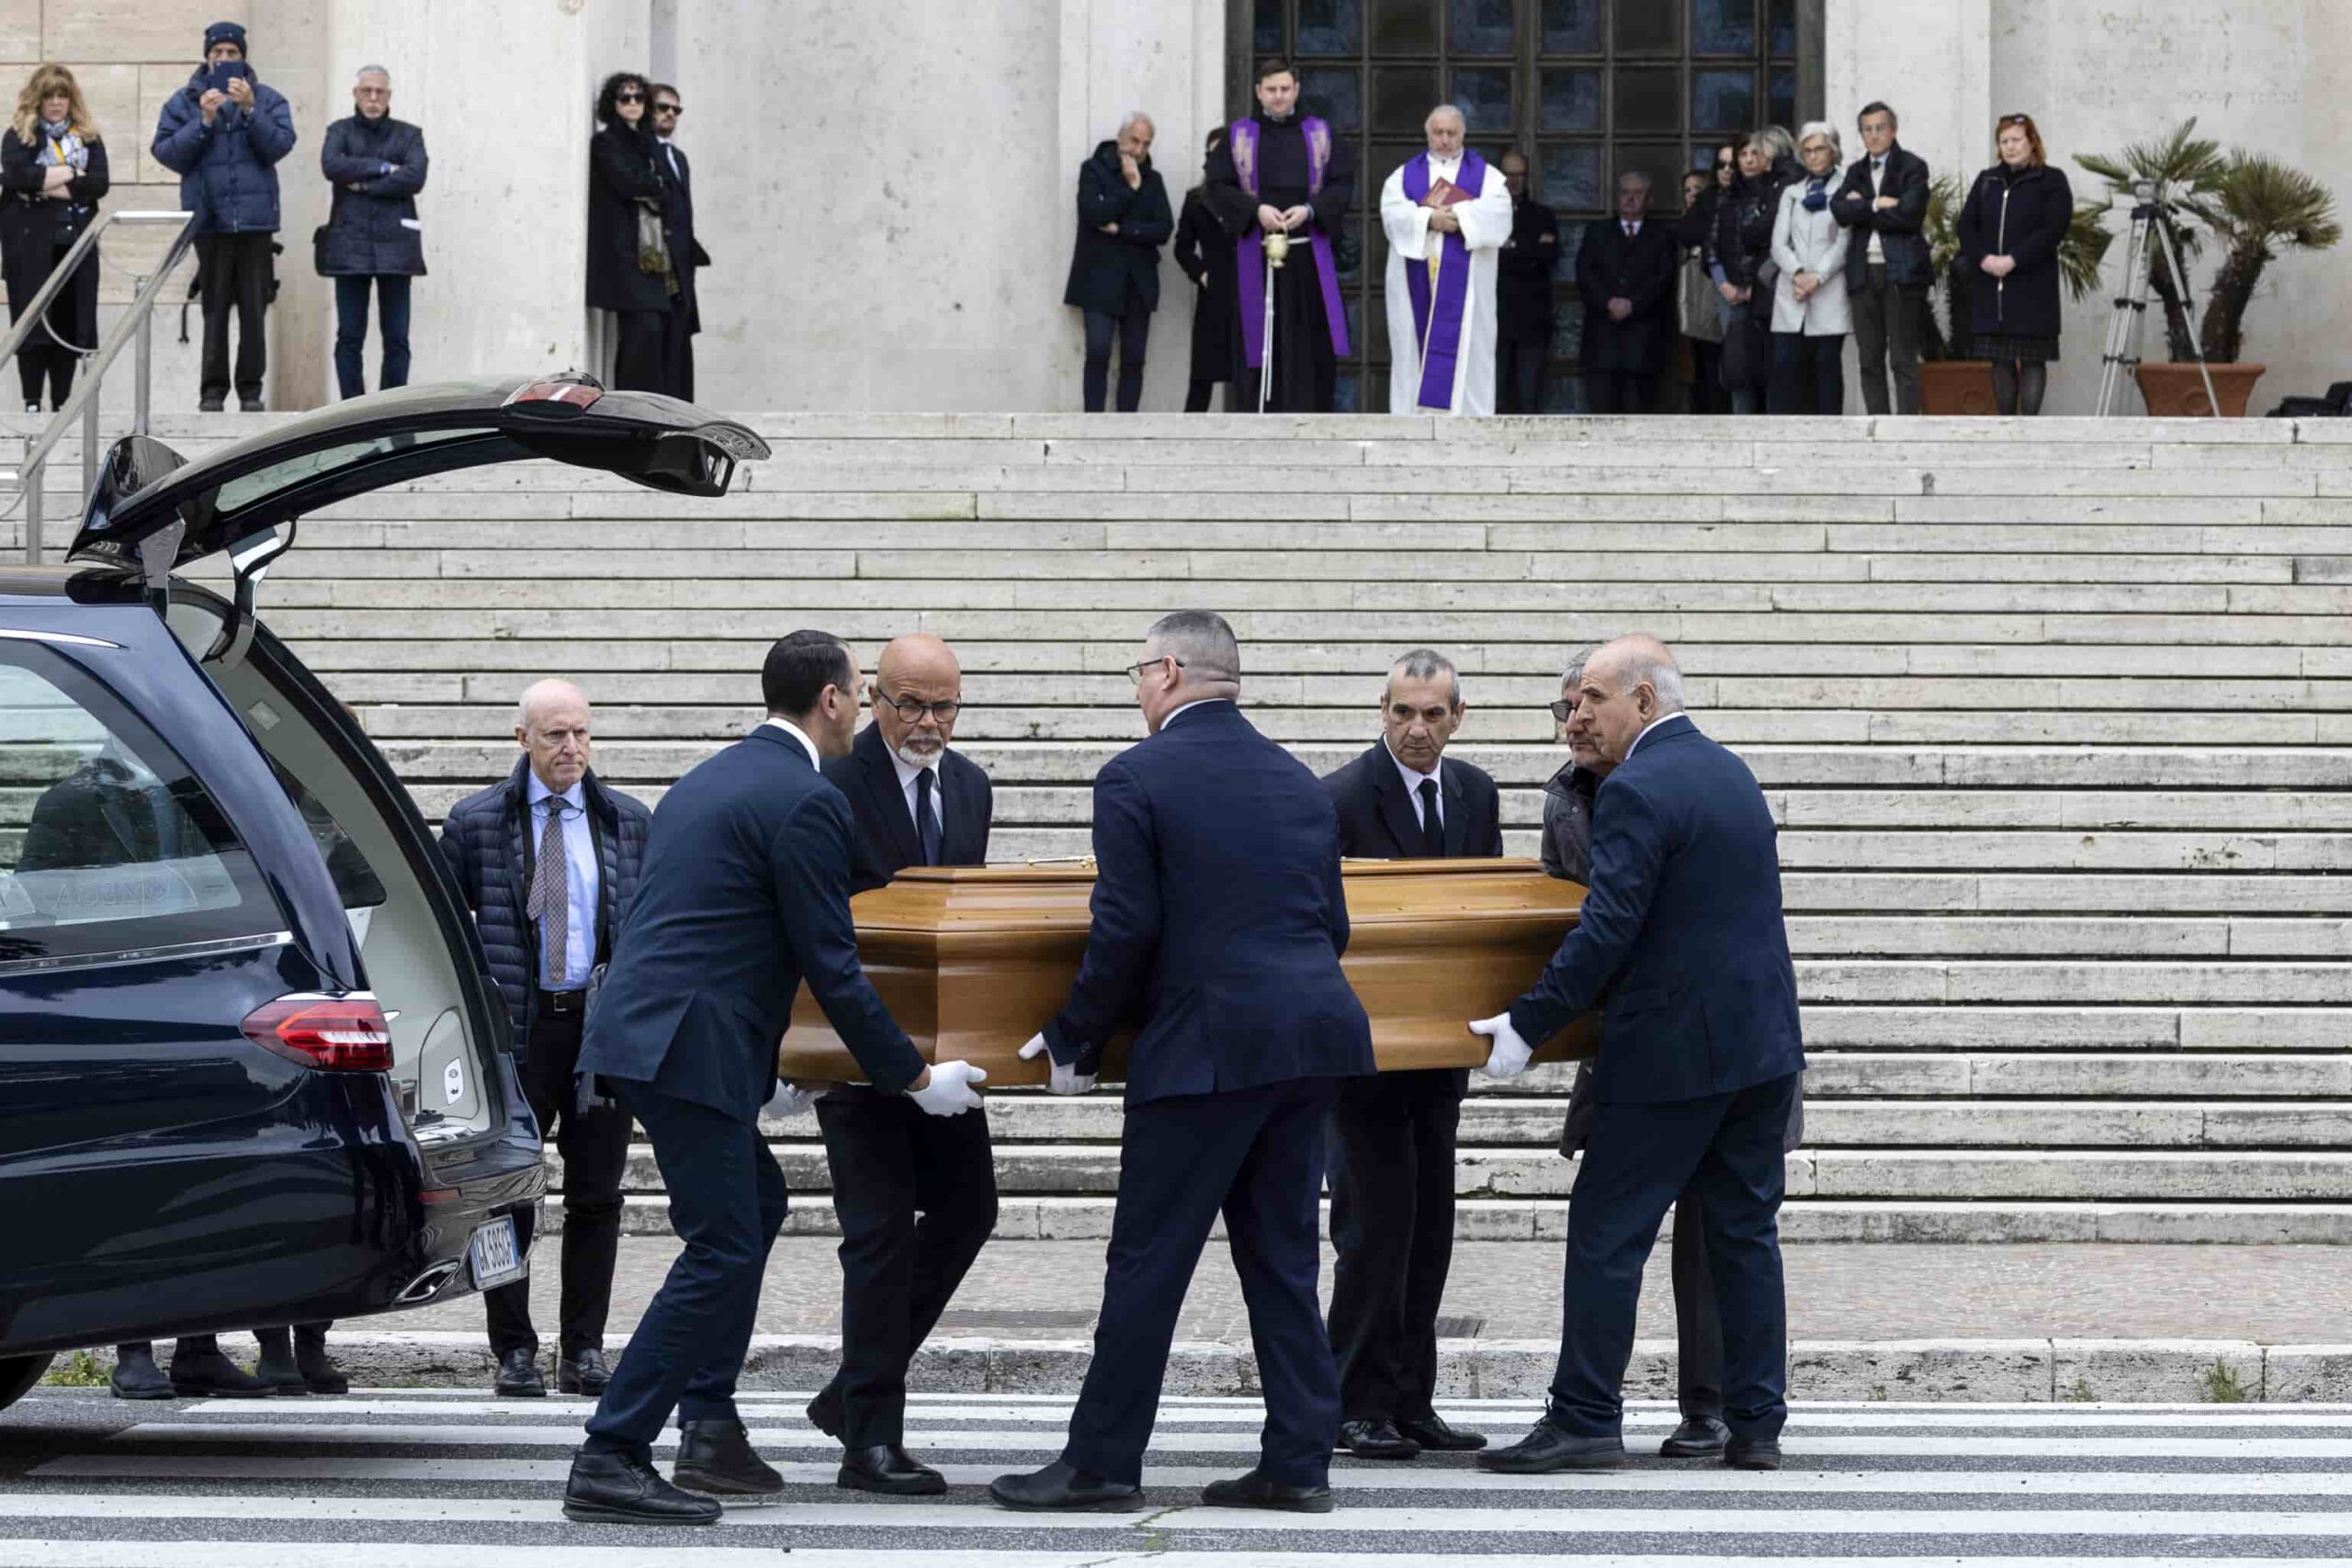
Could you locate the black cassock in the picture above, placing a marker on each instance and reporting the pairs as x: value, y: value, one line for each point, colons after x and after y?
x: 1305, y: 368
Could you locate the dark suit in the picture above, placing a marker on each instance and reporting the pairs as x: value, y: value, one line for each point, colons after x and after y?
x: 1683, y: 937
x: 1218, y: 913
x: 1889, y: 294
x: 746, y: 894
x: 1524, y: 307
x: 1622, y: 360
x: 915, y: 1194
x: 686, y: 252
x: 1393, y: 1133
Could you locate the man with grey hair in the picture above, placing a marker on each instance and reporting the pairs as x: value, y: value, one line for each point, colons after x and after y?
x: 1123, y: 220
x: 1625, y: 275
x: 1219, y: 918
x: 1393, y: 1133
x: 375, y: 165
x: 549, y: 861
x: 1446, y: 212
x: 1681, y: 936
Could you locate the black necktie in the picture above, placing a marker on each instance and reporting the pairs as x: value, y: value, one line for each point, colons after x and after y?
x: 926, y: 820
x: 1432, y: 828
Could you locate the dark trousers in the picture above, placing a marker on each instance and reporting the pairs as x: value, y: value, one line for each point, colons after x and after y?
x: 1621, y: 391
x: 1256, y: 1154
x: 1392, y: 1224
x: 1520, y: 365
x: 1886, y: 339
x: 594, y: 1145
x: 1698, y: 1328
x: 47, y: 364
x: 916, y: 1197
x: 1728, y: 1148
x: 1707, y: 394
x: 727, y: 1202
x: 1132, y: 330
x: 638, y: 351
x: 1808, y: 374
x: 351, y: 331
x: 236, y: 272
x: 1197, y: 395
x: 678, y: 353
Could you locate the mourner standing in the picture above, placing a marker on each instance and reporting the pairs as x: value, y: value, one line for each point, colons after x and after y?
x: 686, y: 254
x: 1204, y: 253
x: 52, y: 175
x: 1393, y: 1133
x: 915, y: 1195
x: 1524, y: 308
x: 1883, y: 204
x: 375, y: 165
x: 1625, y: 270
x: 1123, y: 220
x: 1219, y: 917
x: 631, y: 271
x: 2011, y: 228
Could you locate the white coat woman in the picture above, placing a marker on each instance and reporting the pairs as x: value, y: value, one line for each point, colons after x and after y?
x: 1810, y: 314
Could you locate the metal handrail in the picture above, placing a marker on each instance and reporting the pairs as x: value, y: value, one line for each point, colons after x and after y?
x: 138, y: 321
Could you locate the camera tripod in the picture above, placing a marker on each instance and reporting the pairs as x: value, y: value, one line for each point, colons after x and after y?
x: 2147, y: 236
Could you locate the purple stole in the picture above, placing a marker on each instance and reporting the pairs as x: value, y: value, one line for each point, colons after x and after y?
x: 1440, y: 336
x: 1242, y: 140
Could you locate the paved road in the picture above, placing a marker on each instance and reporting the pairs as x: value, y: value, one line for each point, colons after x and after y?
x: 455, y: 1479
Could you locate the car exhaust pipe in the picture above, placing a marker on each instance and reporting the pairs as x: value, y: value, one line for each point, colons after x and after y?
x: 427, y: 1285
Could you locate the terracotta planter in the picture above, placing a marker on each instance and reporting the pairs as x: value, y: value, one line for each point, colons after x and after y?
x: 1956, y: 387
x: 972, y: 960
x: 2177, y: 391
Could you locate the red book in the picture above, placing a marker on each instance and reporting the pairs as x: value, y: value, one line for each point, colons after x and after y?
x: 1445, y: 193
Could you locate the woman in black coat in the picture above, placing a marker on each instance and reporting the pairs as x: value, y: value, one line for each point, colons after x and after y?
x: 623, y: 176
x: 52, y: 174
x: 1743, y: 249
x: 1205, y: 252
x: 2011, y: 228
x: 1123, y: 220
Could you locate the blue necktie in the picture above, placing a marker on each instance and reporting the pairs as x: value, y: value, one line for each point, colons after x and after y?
x: 926, y: 820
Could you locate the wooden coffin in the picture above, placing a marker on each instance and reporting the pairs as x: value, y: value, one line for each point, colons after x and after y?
x: 973, y: 960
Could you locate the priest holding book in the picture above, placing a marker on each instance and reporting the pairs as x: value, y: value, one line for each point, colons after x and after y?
x: 1447, y: 212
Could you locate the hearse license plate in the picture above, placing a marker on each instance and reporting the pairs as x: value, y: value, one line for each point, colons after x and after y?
x: 494, y: 1256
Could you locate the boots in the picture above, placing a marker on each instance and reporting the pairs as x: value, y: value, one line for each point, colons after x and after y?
x: 295, y: 1361
x: 136, y: 1375
x: 198, y: 1369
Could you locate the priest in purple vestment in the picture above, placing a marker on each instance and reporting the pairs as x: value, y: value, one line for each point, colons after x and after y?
x: 1282, y: 170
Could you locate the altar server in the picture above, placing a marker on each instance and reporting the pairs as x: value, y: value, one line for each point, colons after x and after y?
x: 1447, y: 213
x: 1218, y: 922
x: 1393, y: 1133
x: 915, y: 1195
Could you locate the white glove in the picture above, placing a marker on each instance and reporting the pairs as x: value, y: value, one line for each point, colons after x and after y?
x: 1509, y: 1056
x: 1065, y: 1080
x: 950, y: 1091
x: 791, y: 1100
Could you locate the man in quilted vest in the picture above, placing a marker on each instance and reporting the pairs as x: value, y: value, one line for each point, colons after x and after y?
x: 548, y: 859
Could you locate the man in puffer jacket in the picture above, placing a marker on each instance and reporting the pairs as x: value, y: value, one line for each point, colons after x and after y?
x: 549, y: 860
x: 223, y: 134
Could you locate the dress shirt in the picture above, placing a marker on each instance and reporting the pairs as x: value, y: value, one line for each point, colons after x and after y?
x: 1645, y: 735
x: 1413, y: 782
x: 579, y: 879
x: 908, y: 774
x: 1196, y: 702
x: 671, y: 157
x: 798, y: 734
x: 1632, y: 228
x: 1878, y: 175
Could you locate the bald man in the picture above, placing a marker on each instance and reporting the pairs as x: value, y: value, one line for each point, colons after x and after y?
x: 915, y: 1195
x: 548, y: 859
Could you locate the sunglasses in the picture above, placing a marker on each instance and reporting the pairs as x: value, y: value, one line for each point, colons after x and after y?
x: 628, y: 98
x: 669, y: 109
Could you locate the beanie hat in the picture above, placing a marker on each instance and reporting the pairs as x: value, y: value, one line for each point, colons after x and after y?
x: 224, y: 32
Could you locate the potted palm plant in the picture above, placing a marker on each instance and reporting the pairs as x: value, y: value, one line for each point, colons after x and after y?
x: 1951, y: 379
x: 2252, y: 208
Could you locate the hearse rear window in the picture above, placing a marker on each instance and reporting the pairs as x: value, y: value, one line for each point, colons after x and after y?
x: 109, y: 844
x: 304, y: 466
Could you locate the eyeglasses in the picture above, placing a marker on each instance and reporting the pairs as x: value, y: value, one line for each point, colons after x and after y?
x: 1135, y: 671
x: 669, y: 109
x: 1563, y: 710
x: 911, y: 709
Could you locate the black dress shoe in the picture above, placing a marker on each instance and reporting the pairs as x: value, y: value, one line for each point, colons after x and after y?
x: 1547, y: 1449
x: 716, y: 1456
x: 622, y: 1489
x: 1700, y: 1437
x: 584, y: 1373
x: 1376, y: 1439
x: 276, y: 1366
x: 249, y: 405
x: 518, y: 1375
x: 136, y: 1375
x: 1436, y: 1437
x: 1059, y: 1487
x: 1254, y: 1491
x: 209, y: 1374
x: 824, y: 1413
x: 1762, y: 1454
x: 889, y: 1469
x: 212, y: 403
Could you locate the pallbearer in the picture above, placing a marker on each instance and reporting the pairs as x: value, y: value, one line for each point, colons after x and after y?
x: 915, y: 1195
x: 1392, y: 1148
x: 1447, y: 212
x: 1282, y: 172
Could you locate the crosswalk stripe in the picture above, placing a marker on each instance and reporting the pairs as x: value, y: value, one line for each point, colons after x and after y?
x: 788, y: 1438
x: 1695, y: 1478
x: 377, y: 1554
x: 2024, y: 1522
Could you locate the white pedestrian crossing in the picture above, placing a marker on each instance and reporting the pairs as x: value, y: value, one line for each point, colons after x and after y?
x: 410, y: 1476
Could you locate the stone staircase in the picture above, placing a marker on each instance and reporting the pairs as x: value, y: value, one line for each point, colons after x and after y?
x: 2056, y: 716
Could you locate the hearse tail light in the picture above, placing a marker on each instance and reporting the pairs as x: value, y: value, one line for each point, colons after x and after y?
x: 347, y: 1034
x: 555, y: 398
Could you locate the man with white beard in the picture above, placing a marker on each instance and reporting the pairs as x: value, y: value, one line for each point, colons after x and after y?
x: 1447, y: 212
x: 916, y: 803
